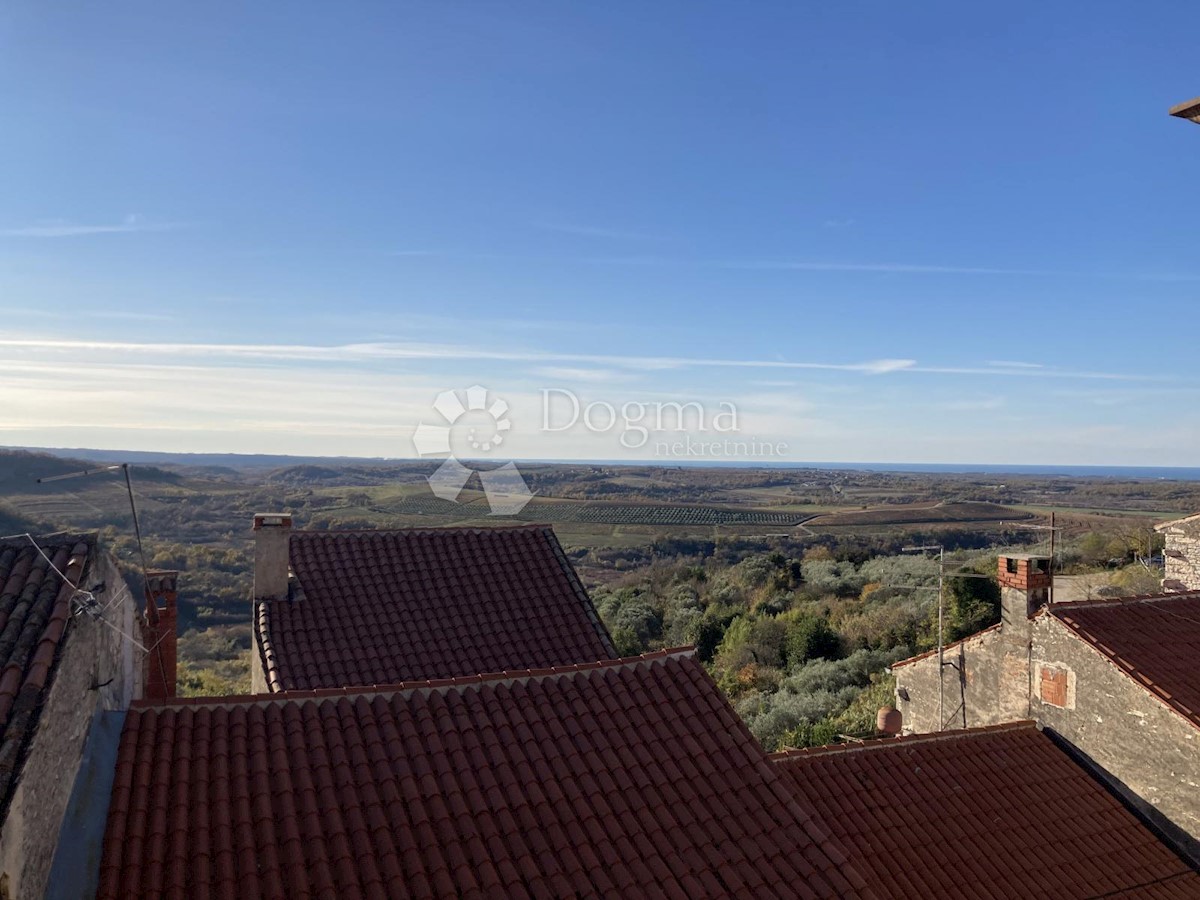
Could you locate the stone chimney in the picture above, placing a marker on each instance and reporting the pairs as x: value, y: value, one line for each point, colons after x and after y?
x: 159, y: 629
x: 1025, y: 581
x: 272, y: 535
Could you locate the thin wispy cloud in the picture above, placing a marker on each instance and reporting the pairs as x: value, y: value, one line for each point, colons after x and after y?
x: 577, y: 374
x: 1012, y: 364
x: 418, y: 321
x: 882, y: 268
x: 123, y: 315
x: 85, y: 313
x: 883, y: 366
x: 779, y: 265
x: 63, y: 229
x: 885, y: 267
x: 784, y: 265
x: 373, y: 351
x: 1032, y: 372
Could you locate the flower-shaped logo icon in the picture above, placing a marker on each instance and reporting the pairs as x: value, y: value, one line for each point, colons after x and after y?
x: 486, y: 426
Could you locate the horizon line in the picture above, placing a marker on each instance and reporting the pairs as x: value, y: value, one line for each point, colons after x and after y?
x: 898, y: 466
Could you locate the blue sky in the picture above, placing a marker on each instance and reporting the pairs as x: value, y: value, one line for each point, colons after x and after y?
x: 930, y: 232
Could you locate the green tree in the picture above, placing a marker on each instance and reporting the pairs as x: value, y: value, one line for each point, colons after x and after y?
x: 972, y: 604
x: 639, y: 617
x: 627, y: 642
x: 707, y: 636
x: 810, y: 637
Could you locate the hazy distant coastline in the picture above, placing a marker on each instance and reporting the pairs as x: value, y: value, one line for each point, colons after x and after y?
x: 1159, y: 473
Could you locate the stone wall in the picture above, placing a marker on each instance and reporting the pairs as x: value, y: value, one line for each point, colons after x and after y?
x: 1151, y: 751
x: 98, y: 669
x: 1184, y: 567
x: 1044, y: 672
x: 985, y: 682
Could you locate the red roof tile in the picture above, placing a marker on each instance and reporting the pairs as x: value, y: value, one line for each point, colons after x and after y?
x: 35, y: 609
x: 381, y: 607
x: 634, y: 777
x: 990, y: 812
x: 1153, y: 639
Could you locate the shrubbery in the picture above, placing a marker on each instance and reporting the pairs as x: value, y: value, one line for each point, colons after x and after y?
x: 795, y: 642
x: 818, y: 691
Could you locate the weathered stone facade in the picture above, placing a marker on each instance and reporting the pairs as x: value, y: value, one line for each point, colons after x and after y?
x: 1182, y: 554
x: 1034, y: 667
x: 1152, y: 752
x: 98, y: 669
x: 984, y: 682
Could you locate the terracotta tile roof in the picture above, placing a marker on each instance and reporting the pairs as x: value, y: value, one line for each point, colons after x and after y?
x: 1155, y: 640
x: 630, y: 777
x: 994, y: 812
x: 380, y: 607
x: 35, y: 608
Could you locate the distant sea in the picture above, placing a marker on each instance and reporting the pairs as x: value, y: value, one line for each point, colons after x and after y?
x: 1156, y: 473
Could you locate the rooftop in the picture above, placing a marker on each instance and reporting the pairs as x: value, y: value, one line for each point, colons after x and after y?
x: 1186, y: 525
x: 604, y: 779
x: 999, y: 812
x: 1189, y: 109
x: 381, y: 607
x: 1154, y: 639
x: 35, y: 609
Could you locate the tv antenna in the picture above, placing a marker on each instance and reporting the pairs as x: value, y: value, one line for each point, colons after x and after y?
x: 1054, y: 530
x: 137, y: 528
x: 941, y: 635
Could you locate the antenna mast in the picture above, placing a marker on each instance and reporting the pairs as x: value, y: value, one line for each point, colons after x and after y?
x: 137, y: 528
x: 941, y: 635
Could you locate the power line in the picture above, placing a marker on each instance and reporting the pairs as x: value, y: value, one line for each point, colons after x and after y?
x: 92, y: 603
x: 90, y: 606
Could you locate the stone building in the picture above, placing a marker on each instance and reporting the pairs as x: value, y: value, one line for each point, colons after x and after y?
x: 70, y: 664
x: 1117, y: 679
x: 1181, y: 555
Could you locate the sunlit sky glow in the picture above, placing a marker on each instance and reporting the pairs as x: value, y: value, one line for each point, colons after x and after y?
x: 883, y: 232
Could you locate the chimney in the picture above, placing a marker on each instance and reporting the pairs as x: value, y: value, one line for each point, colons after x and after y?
x: 889, y: 721
x: 272, y: 534
x: 1025, y: 581
x: 159, y: 631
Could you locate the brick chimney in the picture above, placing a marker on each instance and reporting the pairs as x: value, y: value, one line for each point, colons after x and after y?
x: 1025, y: 581
x: 272, y: 535
x: 159, y: 629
